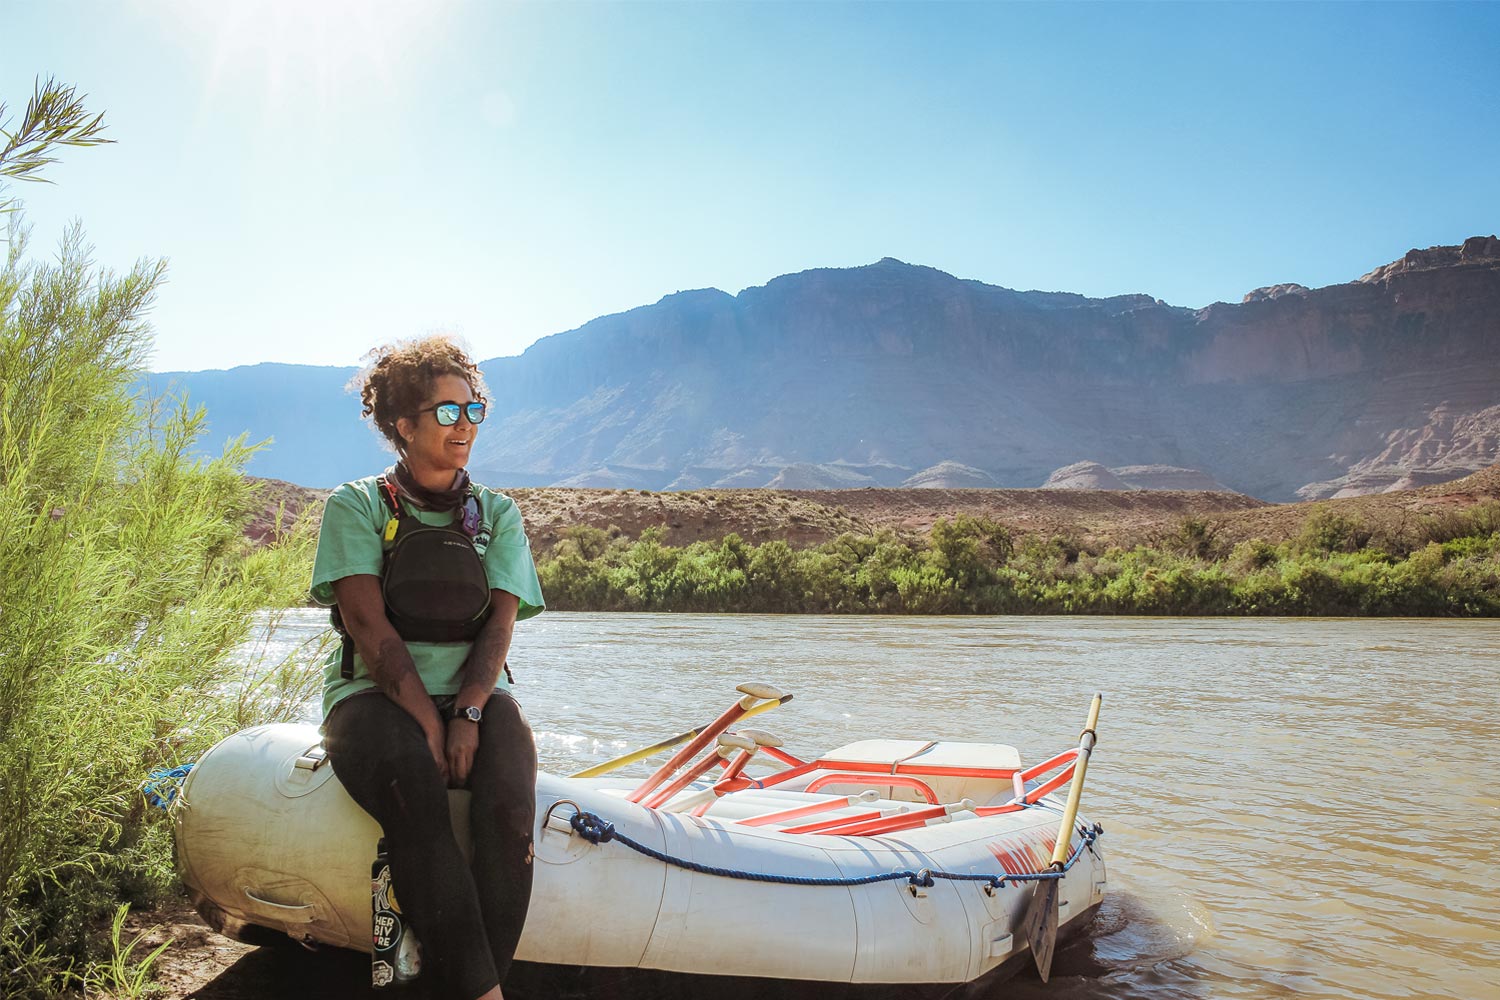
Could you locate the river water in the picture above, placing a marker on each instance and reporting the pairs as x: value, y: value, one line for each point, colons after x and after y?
x: 1292, y: 807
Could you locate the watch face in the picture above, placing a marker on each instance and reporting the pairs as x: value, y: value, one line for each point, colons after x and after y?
x: 471, y: 713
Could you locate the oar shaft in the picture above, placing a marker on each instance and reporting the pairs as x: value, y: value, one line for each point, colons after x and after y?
x: 1075, y: 792
x: 634, y: 756
x: 766, y: 706
x: 625, y: 760
x: 731, y: 715
x: 731, y: 771
x: 659, y: 798
x: 737, y: 765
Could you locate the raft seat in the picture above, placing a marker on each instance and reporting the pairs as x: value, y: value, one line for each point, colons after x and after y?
x: 925, y: 757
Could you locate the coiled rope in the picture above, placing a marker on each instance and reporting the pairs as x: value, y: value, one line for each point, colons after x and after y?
x: 163, y: 784
x: 595, y: 830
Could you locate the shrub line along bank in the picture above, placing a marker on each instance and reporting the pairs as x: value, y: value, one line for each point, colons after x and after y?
x: 1338, y: 565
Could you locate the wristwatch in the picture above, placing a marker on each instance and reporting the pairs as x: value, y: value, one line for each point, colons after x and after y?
x: 467, y: 712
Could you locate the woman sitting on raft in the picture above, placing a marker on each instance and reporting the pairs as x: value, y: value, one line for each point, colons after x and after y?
x: 418, y: 700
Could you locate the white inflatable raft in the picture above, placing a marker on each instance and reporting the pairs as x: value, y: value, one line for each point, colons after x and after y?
x: 266, y: 837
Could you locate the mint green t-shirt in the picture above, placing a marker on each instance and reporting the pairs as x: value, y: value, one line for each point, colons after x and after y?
x: 350, y: 544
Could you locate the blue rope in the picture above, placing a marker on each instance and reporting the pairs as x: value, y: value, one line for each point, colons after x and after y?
x: 163, y: 784
x: 597, y: 831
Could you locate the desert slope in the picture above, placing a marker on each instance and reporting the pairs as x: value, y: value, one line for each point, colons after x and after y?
x: 1095, y: 518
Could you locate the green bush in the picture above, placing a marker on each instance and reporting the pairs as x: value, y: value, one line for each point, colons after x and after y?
x: 1326, y: 531
x: 1195, y: 538
x: 1481, y: 519
x: 1251, y: 555
x: 125, y: 586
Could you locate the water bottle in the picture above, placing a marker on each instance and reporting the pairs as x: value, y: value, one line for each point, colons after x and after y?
x: 397, y: 958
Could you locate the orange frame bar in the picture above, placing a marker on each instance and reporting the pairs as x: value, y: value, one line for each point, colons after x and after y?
x: 1051, y: 784
x: 792, y: 772
x: 903, y: 781
x: 783, y: 756
x: 1037, y: 770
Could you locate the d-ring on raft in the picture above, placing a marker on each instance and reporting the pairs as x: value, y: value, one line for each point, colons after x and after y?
x: 880, y: 865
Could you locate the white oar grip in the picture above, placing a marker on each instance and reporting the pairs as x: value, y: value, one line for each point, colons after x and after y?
x: 761, y: 737
x: 760, y: 691
x: 868, y: 795
x: 737, y: 741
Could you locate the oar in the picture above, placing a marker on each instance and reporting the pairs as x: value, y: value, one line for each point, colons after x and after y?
x: 625, y: 760
x: 727, y: 741
x: 759, y: 739
x: 1041, y: 915
x: 752, y: 693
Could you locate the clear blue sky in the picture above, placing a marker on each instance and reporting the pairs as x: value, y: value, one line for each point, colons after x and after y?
x: 326, y: 175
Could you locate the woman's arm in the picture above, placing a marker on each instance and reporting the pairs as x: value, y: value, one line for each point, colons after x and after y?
x: 387, y: 658
x: 481, y: 672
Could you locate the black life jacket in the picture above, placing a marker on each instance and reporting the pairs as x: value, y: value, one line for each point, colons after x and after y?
x: 431, y: 576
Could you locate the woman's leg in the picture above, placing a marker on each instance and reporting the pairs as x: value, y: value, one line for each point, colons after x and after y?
x: 503, y: 810
x: 381, y: 758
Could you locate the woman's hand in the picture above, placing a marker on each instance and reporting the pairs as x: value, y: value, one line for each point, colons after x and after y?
x: 481, y: 673
x: 463, y: 741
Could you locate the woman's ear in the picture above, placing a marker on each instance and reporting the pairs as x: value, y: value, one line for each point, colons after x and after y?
x: 406, y: 429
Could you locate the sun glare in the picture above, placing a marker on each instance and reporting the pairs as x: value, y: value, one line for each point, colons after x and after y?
x: 296, y: 51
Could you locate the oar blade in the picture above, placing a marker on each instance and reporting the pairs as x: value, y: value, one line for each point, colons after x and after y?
x: 1041, y: 926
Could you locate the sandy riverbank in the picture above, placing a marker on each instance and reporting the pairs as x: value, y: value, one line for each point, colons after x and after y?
x: 203, y: 965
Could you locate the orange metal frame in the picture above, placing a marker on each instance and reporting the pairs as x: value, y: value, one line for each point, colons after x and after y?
x: 903, y: 781
x: 657, y: 790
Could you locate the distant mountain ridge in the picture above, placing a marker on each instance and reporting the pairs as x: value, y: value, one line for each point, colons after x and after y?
x: 316, y: 436
x: 876, y: 375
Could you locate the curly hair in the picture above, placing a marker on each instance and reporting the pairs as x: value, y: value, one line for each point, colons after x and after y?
x: 398, y: 377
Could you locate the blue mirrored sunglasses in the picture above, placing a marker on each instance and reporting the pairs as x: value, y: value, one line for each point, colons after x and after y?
x: 448, y: 410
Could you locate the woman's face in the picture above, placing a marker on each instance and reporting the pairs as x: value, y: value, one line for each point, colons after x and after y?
x: 429, y: 443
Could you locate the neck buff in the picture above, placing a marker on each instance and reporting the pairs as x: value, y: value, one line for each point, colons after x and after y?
x: 421, y: 497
